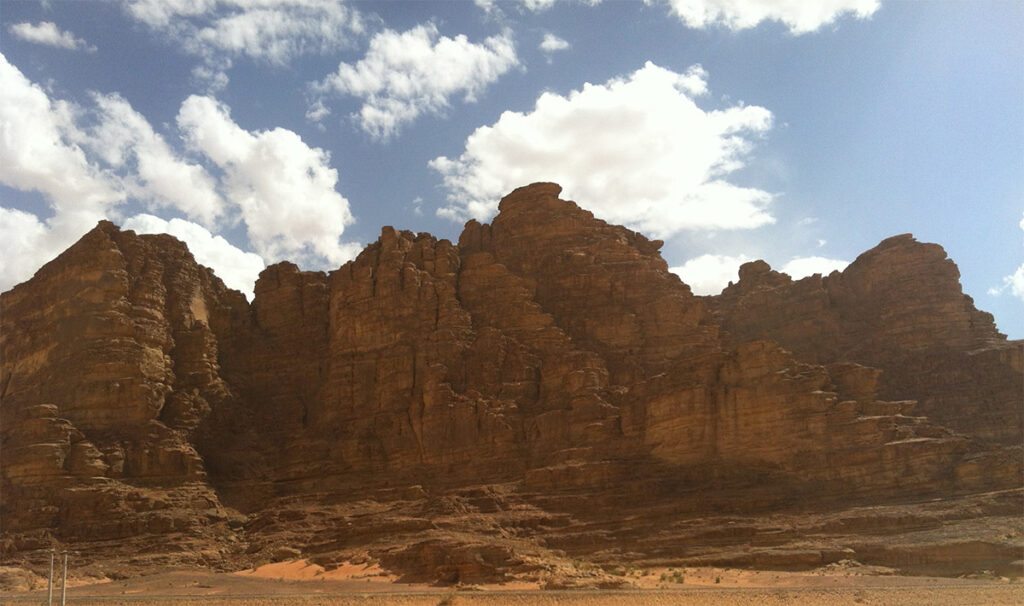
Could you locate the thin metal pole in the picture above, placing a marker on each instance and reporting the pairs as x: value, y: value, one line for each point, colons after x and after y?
x: 64, y: 581
x: 49, y: 583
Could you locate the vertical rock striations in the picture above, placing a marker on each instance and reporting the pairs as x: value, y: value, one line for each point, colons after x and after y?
x: 548, y: 353
x: 899, y: 308
x: 109, y: 367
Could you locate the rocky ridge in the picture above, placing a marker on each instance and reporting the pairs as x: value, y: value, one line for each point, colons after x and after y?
x: 898, y: 308
x: 541, y: 393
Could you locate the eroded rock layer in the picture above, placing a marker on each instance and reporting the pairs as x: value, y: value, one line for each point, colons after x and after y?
x: 109, y: 367
x: 899, y: 308
x: 543, y: 390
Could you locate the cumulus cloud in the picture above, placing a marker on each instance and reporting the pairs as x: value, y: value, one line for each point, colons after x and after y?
x: 237, y: 268
x: 274, y: 31
x: 90, y: 162
x: 154, y: 173
x: 38, y: 151
x: 552, y: 43
x: 47, y: 32
x: 404, y: 75
x: 801, y: 267
x: 25, y: 242
x: 94, y: 168
x: 709, y: 274
x: 799, y: 16
x: 636, y: 150
x: 284, y: 189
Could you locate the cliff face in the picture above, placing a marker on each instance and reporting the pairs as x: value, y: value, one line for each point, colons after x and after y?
x: 546, y: 369
x: 899, y: 308
x: 109, y: 367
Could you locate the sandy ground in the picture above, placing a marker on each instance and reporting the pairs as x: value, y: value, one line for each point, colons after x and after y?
x: 303, y: 583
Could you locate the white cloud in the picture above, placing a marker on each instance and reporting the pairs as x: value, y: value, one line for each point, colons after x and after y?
x: 404, y: 75
x: 91, y: 162
x: 155, y: 174
x: 1013, y: 282
x: 538, y: 5
x: 85, y: 173
x: 318, y: 111
x: 274, y: 31
x: 279, y: 31
x: 802, y: 267
x: 27, y: 244
x: 635, y: 150
x: 543, y: 5
x: 531, y: 5
x: 552, y: 43
x: 237, y: 268
x: 90, y: 171
x: 47, y: 32
x: 161, y: 13
x: 801, y: 16
x: 709, y: 274
x: 38, y: 151
x: 284, y: 188
x: 212, y: 76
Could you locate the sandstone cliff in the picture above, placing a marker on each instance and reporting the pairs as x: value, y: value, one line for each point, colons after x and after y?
x: 109, y: 366
x: 544, y: 389
x: 899, y: 308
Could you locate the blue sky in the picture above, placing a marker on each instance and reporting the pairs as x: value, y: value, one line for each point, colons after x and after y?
x: 799, y: 133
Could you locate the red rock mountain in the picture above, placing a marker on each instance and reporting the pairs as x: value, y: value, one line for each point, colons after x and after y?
x: 542, y: 393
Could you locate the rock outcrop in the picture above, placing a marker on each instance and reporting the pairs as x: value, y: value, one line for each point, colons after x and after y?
x: 898, y: 308
x: 543, y: 390
x: 109, y: 366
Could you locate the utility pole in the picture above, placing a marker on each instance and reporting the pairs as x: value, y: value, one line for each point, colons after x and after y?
x: 64, y: 581
x: 49, y: 582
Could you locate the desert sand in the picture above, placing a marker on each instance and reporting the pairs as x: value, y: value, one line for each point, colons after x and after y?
x: 302, y: 582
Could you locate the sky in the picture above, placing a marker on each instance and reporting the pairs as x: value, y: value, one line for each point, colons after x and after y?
x: 801, y: 133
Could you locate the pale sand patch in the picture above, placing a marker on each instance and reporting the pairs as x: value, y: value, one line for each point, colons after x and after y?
x: 304, y: 570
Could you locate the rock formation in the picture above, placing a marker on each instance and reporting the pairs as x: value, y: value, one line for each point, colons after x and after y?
x: 898, y: 308
x: 109, y: 366
x: 541, y: 391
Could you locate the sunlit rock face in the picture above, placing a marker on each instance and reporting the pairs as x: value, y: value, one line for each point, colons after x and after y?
x: 899, y: 308
x: 109, y: 370
x: 455, y: 409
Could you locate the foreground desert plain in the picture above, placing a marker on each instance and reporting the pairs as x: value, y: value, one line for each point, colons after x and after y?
x: 540, y: 413
x: 301, y: 582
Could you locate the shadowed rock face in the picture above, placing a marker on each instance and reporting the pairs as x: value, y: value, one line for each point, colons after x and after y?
x: 546, y: 370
